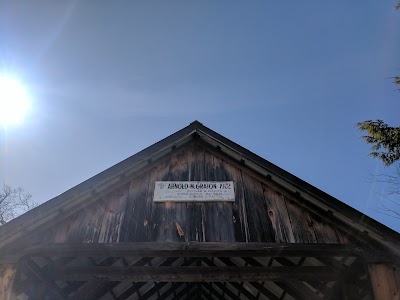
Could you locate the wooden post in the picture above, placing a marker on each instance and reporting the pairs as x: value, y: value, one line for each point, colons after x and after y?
x: 7, y: 275
x: 383, y: 281
x: 349, y: 291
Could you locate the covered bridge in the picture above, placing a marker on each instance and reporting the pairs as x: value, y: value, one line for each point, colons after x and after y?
x: 196, y: 216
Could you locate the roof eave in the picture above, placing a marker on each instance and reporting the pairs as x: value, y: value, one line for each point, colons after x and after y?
x: 59, y: 204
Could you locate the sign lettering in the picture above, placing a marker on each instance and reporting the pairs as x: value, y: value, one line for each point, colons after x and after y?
x: 193, y: 191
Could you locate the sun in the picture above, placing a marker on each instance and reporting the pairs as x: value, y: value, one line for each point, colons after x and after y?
x: 14, y: 101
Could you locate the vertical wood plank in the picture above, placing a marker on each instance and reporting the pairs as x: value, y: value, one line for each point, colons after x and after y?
x: 383, y: 281
x: 278, y: 215
x: 168, y: 214
x: 397, y: 276
x: 151, y: 222
x: 133, y: 224
x: 349, y: 291
x: 259, y: 214
x: 324, y: 232
x: 7, y: 276
x: 260, y: 226
x: 239, y: 213
x: 89, y: 228
x: 176, y: 212
x: 342, y: 236
x: 301, y: 223
x: 195, y: 210
x: 113, y: 217
x: 67, y: 230
x: 218, y: 215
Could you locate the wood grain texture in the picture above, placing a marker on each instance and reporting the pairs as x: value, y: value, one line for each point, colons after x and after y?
x: 113, y: 217
x: 193, y: 274
x: 168, y: 213
x: 7, y: 275
x: 195, y: 211
x: 342, y: 236
x: 68, y: 230
x: 133, y: 224
x: 189, y: 249
x: 383, y: 281
x: 155, y: 213
x: 397, y: 276
x: 260, y: 213
x: 300, y: 220
x: 260, y: 226
x: 91, y: 222
x: 239, y: 212
x: 218, y: 215
x: 324, y: 233
x: 278, y: 214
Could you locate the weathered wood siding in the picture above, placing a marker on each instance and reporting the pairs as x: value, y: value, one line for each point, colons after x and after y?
x: 261, y: 213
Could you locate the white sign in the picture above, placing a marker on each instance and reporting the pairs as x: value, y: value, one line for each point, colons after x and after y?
x: 192, y: 191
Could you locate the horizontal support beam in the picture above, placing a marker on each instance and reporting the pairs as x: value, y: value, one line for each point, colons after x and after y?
x: 193, y: 274
x: 181, y: 249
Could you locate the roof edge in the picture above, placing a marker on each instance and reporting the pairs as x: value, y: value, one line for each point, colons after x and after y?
x: 329, y: 201
x: 94, y: 181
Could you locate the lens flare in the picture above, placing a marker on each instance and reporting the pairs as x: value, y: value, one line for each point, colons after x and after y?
x: 14, y: 101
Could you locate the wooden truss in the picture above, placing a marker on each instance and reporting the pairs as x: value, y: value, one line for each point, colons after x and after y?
x: 147, y: 271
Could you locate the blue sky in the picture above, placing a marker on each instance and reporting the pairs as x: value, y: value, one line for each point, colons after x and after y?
x: 286, y: 80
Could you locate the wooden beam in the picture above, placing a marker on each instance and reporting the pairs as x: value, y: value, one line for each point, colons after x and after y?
x: 153, y: 290
x: 243, y: 291
x: 193, y: 274
x: 212, y: 291
x: 109, y: 285
x: 293, y: 287
x: 263, y: 290
x: 34, y: 270
x: 351, y: 274
x: 170, y: 291
x: 223, y: 288
x: 350, y: 292
x: 181, y: 249
x: 185, y: 291
x: 7, y: 276
x: 317, y: 204
x: 257, y: 285
x: 87, y: 289
x: 383, y: 281
x: 202, y: 292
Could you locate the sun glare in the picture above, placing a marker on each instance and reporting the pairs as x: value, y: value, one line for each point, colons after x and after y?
x: 14, y: 101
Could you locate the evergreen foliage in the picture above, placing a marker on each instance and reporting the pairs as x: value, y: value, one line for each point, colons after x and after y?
x: 383, y: 137
x: 385, y: 140
x: 396, y: 79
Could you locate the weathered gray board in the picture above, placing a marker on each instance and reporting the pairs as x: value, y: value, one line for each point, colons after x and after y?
x: 193, y: 191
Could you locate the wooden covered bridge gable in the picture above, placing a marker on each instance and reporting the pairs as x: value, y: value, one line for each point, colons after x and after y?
x: 280, y: 238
